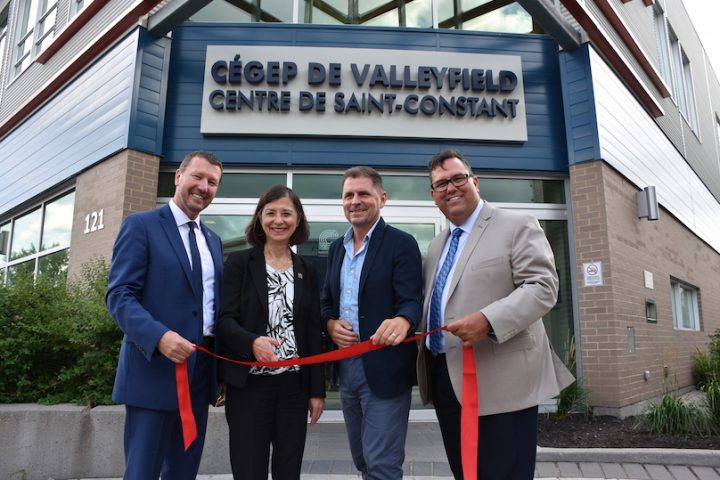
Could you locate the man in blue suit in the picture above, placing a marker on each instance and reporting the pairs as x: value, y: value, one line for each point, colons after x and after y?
x: 373, y: 290
x: 164, y: 294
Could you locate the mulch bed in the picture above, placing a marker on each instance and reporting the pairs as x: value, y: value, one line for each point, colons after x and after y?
x: 580, y: 431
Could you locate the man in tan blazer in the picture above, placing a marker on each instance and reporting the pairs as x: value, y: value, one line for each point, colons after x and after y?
x: 490, y: 283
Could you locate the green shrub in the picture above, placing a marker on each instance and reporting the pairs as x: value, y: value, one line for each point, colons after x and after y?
x: 573, y: 399
x: 59, y: 343
x: 712, y: 399
x: 672, y: 416
x: 706, y: 366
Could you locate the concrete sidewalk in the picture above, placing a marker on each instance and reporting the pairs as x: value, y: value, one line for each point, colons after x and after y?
x: 327, y: 457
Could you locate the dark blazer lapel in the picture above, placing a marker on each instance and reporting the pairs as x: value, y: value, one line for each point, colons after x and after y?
x: 373, y: 248
x: 167, y: 221
x: 299, y: 285
x: 258, y: 273
x: 334, y: 270
x: 478, y: 229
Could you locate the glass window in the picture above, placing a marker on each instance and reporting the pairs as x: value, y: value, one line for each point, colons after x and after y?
x: 407, y: 187
x: 76, y: 6
x: 484, y: 15
x: 232, y: 185
x: 397, y: 13
x: 514, y: 190
x: 4, y: 242
x: 24, y: 270
x: 39, y: 240
x: 58, y: 222
x: 676, y: 55
x: 3, y: 33
x: 661, y: 36
x: 35, y: 30
x: 313, y: 185
x: 26, y: 235
x: 559, y: 321
x: 422, y: 232
x: 231, y: 229
x: 329, y: 186
x: 248, y: 11
x: 691, y: 113
x: 54, y: 265
x: 683, y: 89
x: 685, y: 306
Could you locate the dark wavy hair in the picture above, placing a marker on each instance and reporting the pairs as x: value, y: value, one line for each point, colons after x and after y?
x: 439, y: 159
x: 254, y: 232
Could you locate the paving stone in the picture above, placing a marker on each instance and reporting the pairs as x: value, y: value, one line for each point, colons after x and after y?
x: 706, y: 473
x: 658, y: 472
x: 547, y: 469
x: 441, y: 469
x: 681, y: 472
x: 613, y: 470
x: 342, y: 467
x: 569, y: 469
x: 591, y: 469
x: 320, y: 466
x: 636, y: 471
x: 422, y: 469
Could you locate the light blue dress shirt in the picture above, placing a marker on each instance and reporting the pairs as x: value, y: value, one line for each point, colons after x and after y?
x: 350, y: 277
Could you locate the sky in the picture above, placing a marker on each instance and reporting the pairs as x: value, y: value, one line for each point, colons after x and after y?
x: 704, y: 15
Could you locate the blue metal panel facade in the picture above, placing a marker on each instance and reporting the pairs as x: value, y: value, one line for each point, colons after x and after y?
x: 545, y: 150
x: 84, y: 123
x: 583, y: 142
x: 148, y: 111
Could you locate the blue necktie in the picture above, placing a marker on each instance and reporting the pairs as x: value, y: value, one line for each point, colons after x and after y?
x: 436, y: 338
x: 195, y: 257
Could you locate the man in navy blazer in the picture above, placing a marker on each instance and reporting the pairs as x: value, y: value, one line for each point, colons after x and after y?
x: 373, y: 290
x: 164, y: 292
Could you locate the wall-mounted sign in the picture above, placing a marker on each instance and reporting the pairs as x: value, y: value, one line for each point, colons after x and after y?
x: 285, y: 90
x: 592, y: 274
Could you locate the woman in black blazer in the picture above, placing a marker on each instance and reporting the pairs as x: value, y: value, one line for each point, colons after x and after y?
x: 270, y: 310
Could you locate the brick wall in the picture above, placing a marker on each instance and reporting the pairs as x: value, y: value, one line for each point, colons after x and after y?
x: 120, y: 185
x: 607, y: 229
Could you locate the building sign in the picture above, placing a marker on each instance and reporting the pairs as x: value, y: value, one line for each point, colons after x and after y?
x: 592, y: 274
x: 285, y: 90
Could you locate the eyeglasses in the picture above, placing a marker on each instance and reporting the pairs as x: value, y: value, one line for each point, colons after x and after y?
x: 457, y: 181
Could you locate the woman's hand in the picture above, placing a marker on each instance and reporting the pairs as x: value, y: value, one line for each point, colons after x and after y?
x: 315, y: 407
x: 264, y: 349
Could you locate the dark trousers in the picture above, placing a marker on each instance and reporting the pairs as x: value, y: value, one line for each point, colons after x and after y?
x: 268, y: 410
x: 153, y: 438
x: 507, y: 443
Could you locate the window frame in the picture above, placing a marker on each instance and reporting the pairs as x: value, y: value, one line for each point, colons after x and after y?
x: 7, y: 264
x: 30, y: 27
x: 677, y: 288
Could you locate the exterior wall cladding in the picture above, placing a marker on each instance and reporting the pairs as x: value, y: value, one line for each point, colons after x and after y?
x: 608, y: 230
x: 683, y: 244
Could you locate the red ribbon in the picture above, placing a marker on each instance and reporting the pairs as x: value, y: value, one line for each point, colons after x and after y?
x: 469, y: 429
x: 189, y: 427
x: 468, y: 416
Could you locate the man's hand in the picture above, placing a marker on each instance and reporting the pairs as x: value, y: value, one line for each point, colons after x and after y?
x: 471, y: 328
x: 341, y: 332
x: 175, y: 347
x: 315, y: 407
x: 392, y: 331
x: 264, y: 349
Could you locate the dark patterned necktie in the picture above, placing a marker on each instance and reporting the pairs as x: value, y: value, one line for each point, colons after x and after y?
x: 436, y: 338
